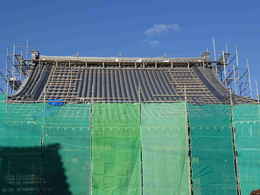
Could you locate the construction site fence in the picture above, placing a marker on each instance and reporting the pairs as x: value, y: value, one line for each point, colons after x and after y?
x: 129, y: 149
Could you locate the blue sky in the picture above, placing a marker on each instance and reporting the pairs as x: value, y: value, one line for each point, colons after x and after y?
x: 132, y: 28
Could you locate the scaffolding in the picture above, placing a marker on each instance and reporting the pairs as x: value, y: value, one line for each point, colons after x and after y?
x: 16, y: 68
x: 164, y: 139
x: 114, y: 148
x: 158, y: 146
x: 232, y: 73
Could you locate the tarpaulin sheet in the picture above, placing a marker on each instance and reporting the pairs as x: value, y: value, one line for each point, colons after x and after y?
x: 246, y: 120
x: 18, y: 125
x: 2, y: 98
x: 164, y: 136
x: 213, y: 167
x: 68, y: 126
x: 116, y: 149
x: 20, y: 149
x: 47, y: 149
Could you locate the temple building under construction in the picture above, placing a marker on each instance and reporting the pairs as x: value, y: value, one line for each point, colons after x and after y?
x: 127, y: 126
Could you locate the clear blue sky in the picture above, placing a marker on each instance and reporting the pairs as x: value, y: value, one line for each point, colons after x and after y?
x: 132, y: 27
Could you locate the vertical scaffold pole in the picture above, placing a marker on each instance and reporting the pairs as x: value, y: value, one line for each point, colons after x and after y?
x: 234, y: 78
x: 91, y: 126
x: 43, y: 135
x: 185, y: 93
x: 249, y: 78
x: 226, y: 48
x: 6, y: 71
x: 225, y: 70
x: 236, y: 72
x: 141, y: 143
x: 14, y: 50
x: 27, y: 50
x: 231, y: 99
x: 237, y: 58
x: 91, y: 140
x: 215, y: 54
x: 235, y: 152
x: 13, y: 63
x: 6, y: 79
x: 257, y: 91
x: 188, y: 140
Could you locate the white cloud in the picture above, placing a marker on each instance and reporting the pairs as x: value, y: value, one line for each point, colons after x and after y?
x: 154, y: 43
x: 157, y: 29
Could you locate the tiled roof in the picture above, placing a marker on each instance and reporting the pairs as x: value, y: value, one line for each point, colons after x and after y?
x: 75, y: 83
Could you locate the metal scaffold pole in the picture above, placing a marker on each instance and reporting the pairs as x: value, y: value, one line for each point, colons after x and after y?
x: 234, y: 78
x: 214, y: 53
x: 13, y: 67
x: 249, y: 79
x: 6, y: 72
x: 235, y: 151
x: 225, y: 68
x: 27, y: 50
x: 236, y: 73
x: 226, y: 48
x: 257, y: 91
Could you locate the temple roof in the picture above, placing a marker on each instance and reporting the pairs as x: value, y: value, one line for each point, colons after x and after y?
x: 92, y: 79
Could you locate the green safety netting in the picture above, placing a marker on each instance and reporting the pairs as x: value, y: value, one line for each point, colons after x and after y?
x: 19, y: 126
x: 213, y: 168
x: 246, y: 120
x: 69, y: 127
x: 164, y: 137
x: 21, y: 169
x: 2, y: 98
x: 116, y: 149
x: 135, y: 149
x: 45, y: 149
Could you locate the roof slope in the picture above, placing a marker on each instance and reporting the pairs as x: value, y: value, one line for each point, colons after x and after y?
x: 78, y: 83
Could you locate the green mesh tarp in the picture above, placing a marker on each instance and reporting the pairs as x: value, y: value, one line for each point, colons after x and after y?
x: 20, y: 149
x: 68, y: 127
x: 116, y: 149
x: 44, y: 149
x: 19, y: 126
x: 2, y: 98
x: 213, y: 170
x: 165, y: 149
x: 246, y: 120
